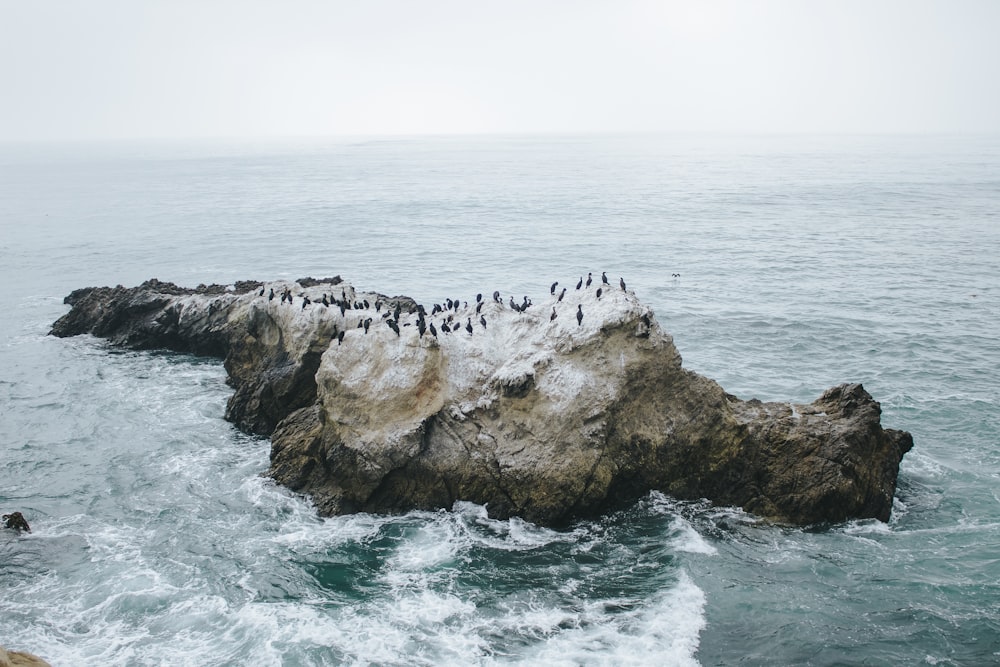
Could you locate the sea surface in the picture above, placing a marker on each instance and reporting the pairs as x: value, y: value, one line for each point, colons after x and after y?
x: 803, y: 262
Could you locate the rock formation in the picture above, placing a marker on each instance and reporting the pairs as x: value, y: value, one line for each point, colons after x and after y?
x: 547, y: 418
x: 20, y: 659
x: 16, y: 521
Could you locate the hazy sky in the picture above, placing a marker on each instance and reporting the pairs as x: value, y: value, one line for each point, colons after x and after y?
x: 94, y: 69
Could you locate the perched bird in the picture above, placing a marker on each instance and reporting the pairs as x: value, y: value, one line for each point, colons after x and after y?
x: 468, y: 326
x: 434, y: 332
x: 604, y: 278
x: 368, y: 323
x: 513, y: 305
x: 378, y: 306
x: 579, y: 314
x: 393, y: 325
x: 479, y: 306
x: 552, y: 290
x: 479, y: 298
x: 590, y: 279
x: 444, y: 327
x: 553, y: 315
x: 621, y: 281
x: 340, y: 337
x: 496, y: 296
x: 270, y: 297
x: 305, y: 302
x: 366, y: 304
x: 580, y: 284
x: 599, y: 291
x: 261, y: 291
x: 524, y: 306
x: 562, y: 294
x: 482, y: 320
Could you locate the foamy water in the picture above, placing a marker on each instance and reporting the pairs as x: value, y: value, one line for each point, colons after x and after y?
x: 804, y: 262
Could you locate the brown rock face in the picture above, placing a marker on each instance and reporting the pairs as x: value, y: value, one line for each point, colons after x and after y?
x: 548, y: 419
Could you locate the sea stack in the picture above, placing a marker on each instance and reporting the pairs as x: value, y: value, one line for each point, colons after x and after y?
x: 545, y: 419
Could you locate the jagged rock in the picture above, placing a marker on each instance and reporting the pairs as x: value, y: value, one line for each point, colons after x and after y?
x: 548, y: 419
x: 16, y: 521
x: 20, y: 659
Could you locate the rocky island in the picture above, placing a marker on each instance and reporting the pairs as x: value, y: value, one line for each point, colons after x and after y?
x: 550, y: 411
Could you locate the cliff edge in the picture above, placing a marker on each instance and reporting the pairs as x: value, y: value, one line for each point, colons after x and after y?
x: 549, y: 411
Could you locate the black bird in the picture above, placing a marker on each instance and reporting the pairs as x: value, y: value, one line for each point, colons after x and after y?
x: 552, y: 290
x: 590, y: 279
x: 366, y: 304
x: 482, y: 320
x: 421, y: 327
x: 479, y: 307
x: 449, y: 304
x: 395, y: 314
x: 562, y: 294
x: 343, y: 308
x: 621, y: 281
x: 513, y: 305
x: 599, y: 292
x: 524, y: 306
x: 392, y: 325
x: 479, y: 298
x: 343, y: 294
x: 468, y: 326
x: 434, y: 332
x: 496, y: 297
x: 378, y: 306
x: 368, y: 323
x: 361, y: 323
x: 456, y: 305
x: 579, y: 315
x: 444, y: 327
x: 305, y: 302
x: 261, y: 291
x: 604, y: 278
x: 325, y: 302
x: 270, y: 297
x: 553, y: 315
x: 580, y: 284
x: 340, y: 338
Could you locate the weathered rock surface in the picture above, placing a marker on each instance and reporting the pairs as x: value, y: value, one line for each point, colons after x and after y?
x: 548, y: 419
x: 20, y: 659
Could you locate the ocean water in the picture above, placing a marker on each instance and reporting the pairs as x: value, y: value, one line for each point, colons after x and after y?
x: 804, y: 262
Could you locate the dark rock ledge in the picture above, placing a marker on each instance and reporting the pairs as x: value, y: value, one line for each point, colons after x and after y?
x: 547, y: 419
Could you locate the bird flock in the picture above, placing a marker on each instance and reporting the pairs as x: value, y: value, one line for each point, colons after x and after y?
x: 448, y: 315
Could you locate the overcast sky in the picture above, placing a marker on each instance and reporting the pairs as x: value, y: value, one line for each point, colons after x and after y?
x: 95, y: 69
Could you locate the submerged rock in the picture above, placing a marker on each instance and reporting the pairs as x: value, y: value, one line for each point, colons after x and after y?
x: 16, y: 521
x: 544, y: 417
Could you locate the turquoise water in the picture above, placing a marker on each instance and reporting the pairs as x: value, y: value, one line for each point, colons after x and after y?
x: 804, y: 262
